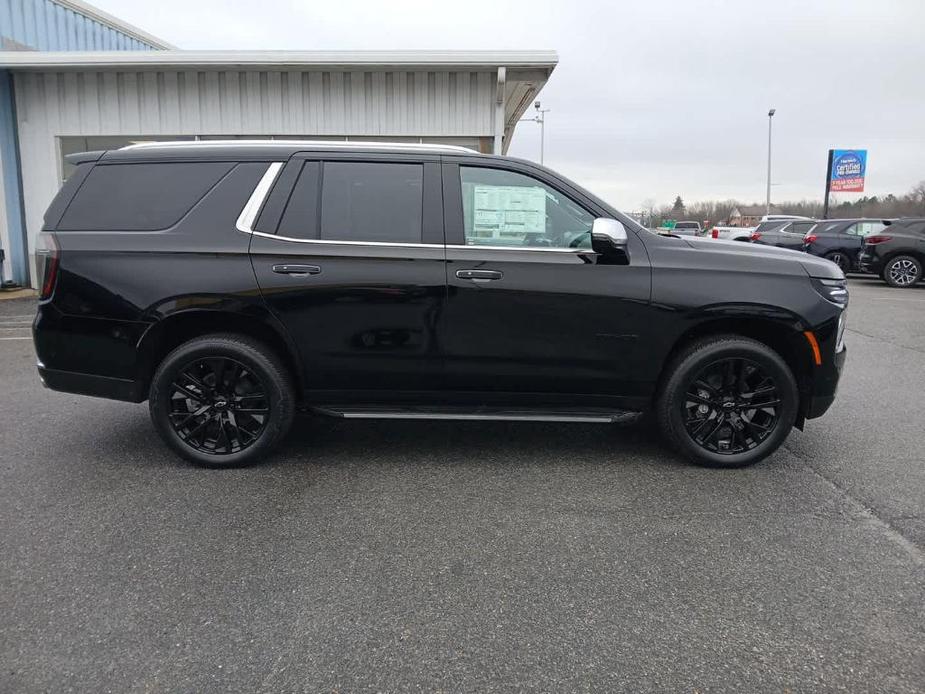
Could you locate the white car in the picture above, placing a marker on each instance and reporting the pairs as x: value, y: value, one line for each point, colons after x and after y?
x: 731, y: 233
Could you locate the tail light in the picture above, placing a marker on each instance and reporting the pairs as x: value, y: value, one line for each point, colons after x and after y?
x: 755, y: 236
x: 874, y: 240
x: 715, y: 233
x: 810, y: 238
x: 48, y: 257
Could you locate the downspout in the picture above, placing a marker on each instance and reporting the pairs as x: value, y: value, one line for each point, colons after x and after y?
x: 499, y: 112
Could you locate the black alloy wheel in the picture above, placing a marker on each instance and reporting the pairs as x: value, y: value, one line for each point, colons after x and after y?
x: 218, y: 406
x: 731, y: 406
x: 222, y: 400
x: 727, y: 401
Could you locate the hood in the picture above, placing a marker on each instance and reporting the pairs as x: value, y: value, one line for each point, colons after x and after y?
x: 767, y: 258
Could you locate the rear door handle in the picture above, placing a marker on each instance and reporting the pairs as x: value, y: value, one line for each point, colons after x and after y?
x: 297, y: 269
x: 477, y: 275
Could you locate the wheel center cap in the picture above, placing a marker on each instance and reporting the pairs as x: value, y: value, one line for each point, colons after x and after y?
x: 220, y: 403
x: 728, y: 405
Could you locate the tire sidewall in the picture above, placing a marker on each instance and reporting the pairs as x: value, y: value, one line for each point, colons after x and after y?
x: 844, y: 266
x: 690, y: 366
x: 279, y: 397
x: 892, y: 261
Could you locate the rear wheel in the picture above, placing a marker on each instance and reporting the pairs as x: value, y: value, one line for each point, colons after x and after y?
x: 728, y: 401
x: 902, y: 271
x: 222, y: 400
x: 840, y: 259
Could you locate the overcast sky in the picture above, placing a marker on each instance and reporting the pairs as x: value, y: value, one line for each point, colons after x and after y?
x: 651, y: 98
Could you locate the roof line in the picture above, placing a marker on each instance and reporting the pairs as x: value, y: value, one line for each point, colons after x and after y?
x: 314, y: 144
x: 328, y: 59
x: 102, y: 17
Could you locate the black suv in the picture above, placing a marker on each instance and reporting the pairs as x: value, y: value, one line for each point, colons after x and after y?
x: 840, y: 240
x: 897, y: 253
x: 232, y: 284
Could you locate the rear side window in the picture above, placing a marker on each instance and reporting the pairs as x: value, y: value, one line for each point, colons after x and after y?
x: 363, y: 201
x: 356, y: 201
x: 140, y: 197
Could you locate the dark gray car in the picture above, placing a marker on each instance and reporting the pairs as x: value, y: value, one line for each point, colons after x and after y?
x: 783, y: 233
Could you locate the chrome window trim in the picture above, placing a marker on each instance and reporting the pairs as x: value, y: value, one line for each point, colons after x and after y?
x: 245, y: 224
x: 248, y: 216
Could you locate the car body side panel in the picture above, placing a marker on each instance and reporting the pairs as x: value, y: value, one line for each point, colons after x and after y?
x: 113, y: 286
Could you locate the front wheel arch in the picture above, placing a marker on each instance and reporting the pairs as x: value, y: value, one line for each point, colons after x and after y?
x: 783, y: 336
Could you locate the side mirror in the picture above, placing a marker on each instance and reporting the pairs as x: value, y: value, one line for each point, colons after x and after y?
x: 609, y: 233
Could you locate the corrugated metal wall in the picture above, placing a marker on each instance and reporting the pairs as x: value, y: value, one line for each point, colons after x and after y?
x: 47, y: 26
x: 429, y: 104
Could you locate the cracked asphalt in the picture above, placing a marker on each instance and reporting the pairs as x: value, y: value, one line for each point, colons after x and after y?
x: 436, y: 556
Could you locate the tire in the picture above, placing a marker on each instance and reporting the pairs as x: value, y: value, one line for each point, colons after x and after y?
x: 902, y: 271
x: 236, y: 423
x: 754, y: 430
x: 840, y: 259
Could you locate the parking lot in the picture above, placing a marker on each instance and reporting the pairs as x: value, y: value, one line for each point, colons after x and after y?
x: 440, y: 556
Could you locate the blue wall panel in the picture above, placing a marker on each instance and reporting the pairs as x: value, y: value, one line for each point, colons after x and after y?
x: 41, y: 25
x: 44, y: 25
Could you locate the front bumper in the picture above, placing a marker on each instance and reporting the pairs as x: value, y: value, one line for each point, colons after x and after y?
x: 825, y: 385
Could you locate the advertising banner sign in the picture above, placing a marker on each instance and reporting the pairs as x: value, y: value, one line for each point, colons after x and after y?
x: 848, y: 169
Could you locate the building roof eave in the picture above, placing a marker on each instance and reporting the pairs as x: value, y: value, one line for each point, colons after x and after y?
x: 332, y: 60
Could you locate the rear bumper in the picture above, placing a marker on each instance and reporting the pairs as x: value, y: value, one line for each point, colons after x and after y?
x: 869, y: 263
x: 91, y: 384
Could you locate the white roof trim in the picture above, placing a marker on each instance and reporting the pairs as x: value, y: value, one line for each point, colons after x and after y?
x: 109, y: 20
x: 282, y: 59
x: 308, y: 144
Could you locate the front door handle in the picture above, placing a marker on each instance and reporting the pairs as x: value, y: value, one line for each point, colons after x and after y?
x: 483, y: 275
x: 300, y: 270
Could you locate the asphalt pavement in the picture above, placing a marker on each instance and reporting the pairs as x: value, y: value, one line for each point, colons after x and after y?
x: 468, y: 557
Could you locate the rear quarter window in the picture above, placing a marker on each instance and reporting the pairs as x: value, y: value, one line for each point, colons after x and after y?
x: 140, y: 197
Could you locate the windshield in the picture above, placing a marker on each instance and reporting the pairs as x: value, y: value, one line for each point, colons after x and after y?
x: 769, y: 226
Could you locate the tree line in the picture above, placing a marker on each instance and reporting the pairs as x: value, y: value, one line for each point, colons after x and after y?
x: 911, y: 204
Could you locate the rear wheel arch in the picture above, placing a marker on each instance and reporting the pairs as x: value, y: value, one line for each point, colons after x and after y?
x: 170, y: 332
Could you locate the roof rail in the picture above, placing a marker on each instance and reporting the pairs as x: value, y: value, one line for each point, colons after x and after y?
x: 321, y: 144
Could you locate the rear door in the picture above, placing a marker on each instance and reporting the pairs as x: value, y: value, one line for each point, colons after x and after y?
x: 349, y: 255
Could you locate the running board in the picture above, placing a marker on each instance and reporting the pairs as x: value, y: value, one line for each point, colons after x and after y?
x: 585, y: 415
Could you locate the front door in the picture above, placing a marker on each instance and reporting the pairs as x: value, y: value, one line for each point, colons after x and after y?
x: 354, y: 269
x: 531, y: 307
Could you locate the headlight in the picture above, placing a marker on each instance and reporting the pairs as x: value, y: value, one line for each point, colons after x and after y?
x: 835, y: 291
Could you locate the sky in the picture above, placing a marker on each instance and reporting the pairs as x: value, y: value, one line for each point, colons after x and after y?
x: 651, y: 98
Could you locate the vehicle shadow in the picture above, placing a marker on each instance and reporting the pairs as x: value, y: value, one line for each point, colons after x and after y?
x: 327, y: 441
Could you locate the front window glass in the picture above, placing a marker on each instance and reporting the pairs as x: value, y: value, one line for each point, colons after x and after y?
x: 504, y: 208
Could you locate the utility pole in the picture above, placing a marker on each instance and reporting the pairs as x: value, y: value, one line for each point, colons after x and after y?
x: 540, y: 118
x: 768, y: 205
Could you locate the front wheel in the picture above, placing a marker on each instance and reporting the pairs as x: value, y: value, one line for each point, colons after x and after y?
x: 902, y: 271
x: 728, y: 401
x: 222, y: 400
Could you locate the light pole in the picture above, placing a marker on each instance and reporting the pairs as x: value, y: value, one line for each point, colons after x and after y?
x: 770, y: 116
x: 540, y: 118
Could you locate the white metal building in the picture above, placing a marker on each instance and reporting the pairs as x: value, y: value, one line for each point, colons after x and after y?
x: 74, y: 101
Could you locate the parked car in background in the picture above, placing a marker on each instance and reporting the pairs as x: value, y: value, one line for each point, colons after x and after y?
x: 731, y: 233
x: 897, y: 253
x: 783, y: 233
x: 840, y: 240
x: 687, y: 229
x: 231, y: 283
